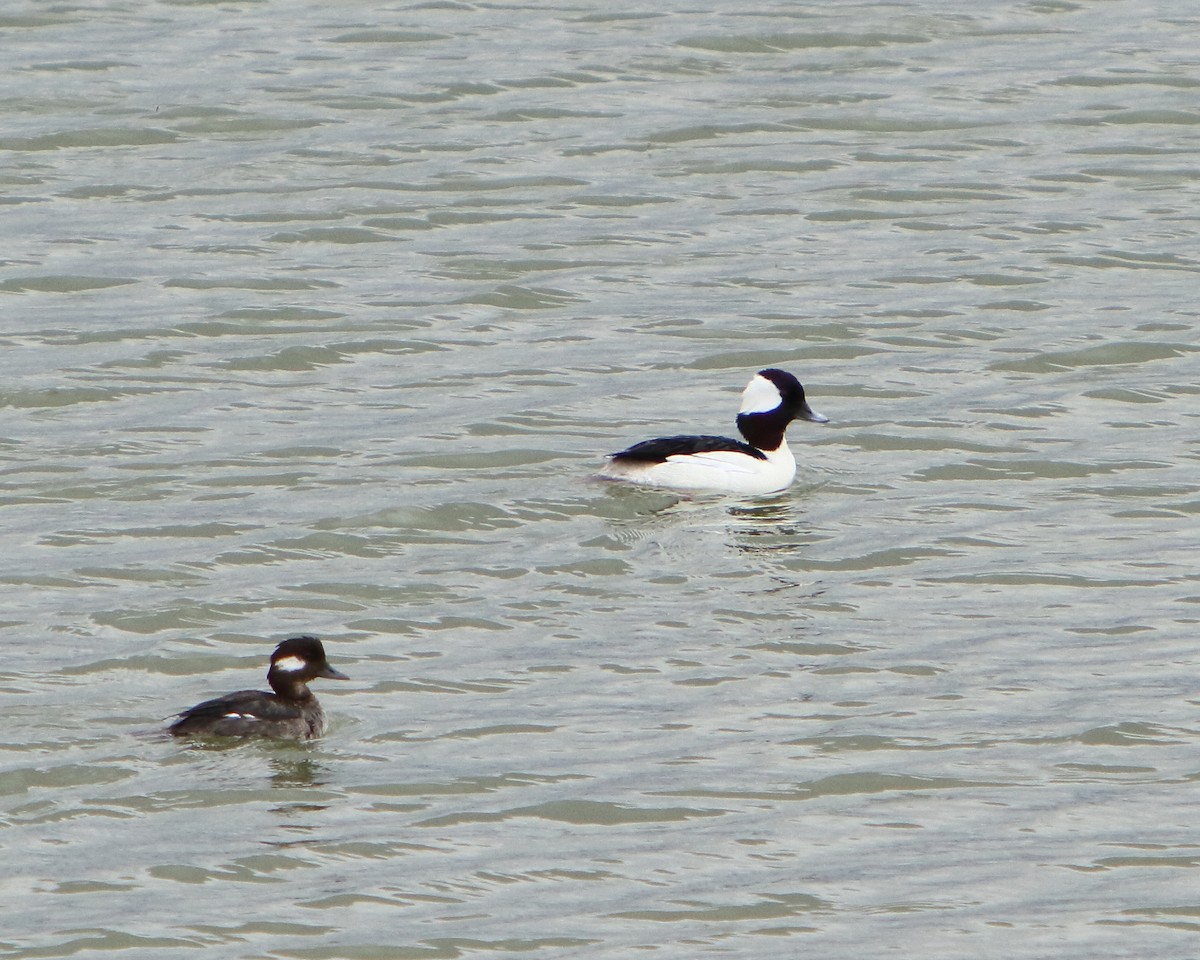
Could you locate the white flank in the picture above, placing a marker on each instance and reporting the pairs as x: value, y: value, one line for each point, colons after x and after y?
x: 240, y: 716
x: 760, y: 396
x: 721, y: 471
x: 289, y: 664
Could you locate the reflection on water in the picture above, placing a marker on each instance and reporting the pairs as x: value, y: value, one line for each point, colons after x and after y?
x: 778, y: 526
x: 298, y: 773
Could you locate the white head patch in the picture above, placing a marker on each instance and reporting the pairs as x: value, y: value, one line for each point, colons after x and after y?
x: 289, y: 664
x: 760, y: 396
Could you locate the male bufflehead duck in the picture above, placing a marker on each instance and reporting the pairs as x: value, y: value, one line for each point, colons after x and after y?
x: 290, y: 713
x: 763, y: 464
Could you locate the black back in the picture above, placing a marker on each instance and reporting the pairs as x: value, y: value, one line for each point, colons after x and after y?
x: 657, y: 451
x: 264, y: 706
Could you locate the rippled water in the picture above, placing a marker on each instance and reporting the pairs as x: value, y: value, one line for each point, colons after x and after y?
x: 320, y: 318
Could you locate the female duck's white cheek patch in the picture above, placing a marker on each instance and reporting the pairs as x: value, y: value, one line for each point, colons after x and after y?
x: 760, y: 396
x: 288, y: 664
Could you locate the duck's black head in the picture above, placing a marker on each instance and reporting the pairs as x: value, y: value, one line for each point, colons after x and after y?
x: 295, y: 662
x: 773, y: 399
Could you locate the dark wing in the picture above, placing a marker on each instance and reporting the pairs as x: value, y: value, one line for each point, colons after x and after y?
x: 234, y: 714
x: 657, y: 451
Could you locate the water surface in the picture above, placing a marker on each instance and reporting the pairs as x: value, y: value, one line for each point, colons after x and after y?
x: 320, y: 318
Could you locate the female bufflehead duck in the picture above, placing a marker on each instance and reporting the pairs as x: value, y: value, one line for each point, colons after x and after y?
x: 290, y: 713
x: 763, y: 464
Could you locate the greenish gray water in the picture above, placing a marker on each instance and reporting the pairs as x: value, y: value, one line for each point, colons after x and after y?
x: 321, y: 317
